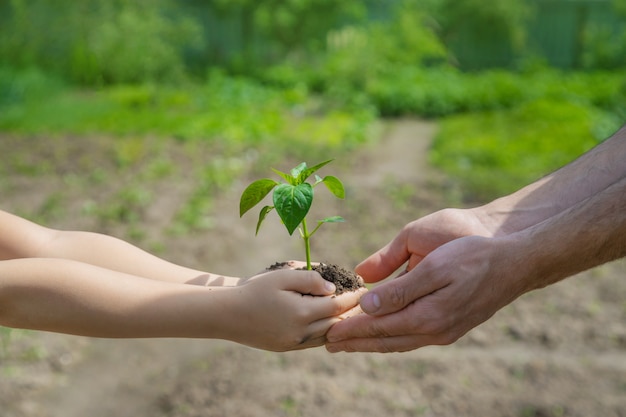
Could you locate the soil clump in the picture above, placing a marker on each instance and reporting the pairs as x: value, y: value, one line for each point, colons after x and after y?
x: 344, y: 279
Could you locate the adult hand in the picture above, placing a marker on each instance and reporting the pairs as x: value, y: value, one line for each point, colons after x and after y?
x: 454, y: 281
x: 420, y: 237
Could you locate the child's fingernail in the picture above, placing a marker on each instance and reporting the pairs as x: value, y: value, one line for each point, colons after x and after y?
x: 330, y: 287
x: 370, y: 302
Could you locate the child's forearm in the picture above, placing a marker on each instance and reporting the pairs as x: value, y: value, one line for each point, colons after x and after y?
x: 77, y: 298
x: 112, y: 253
x: 20, y: 238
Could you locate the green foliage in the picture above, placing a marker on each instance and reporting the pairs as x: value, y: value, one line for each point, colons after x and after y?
x: 332, y: 45
x: 494, y: 153
x: 603, y: 44
x: 292, y: 199
x: 504, y: 19
x: 294, y: 24
x: 224, y: 108
x: 28, y: 85
x: 362, y: 52
x: 444, y: 91
x: 99, y: 41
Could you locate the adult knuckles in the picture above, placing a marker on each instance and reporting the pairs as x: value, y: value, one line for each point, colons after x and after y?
x: 427, y: 320
x: 377, y: 330
x: 395, y: 297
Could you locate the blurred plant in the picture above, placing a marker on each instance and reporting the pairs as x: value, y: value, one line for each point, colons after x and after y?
x: 604, y: 44
x: 98, y: 41
x: 504, y: 20
x: 601, y: 51
x: 358, y: 54
x: 295, y: 24
x: 137, y: 42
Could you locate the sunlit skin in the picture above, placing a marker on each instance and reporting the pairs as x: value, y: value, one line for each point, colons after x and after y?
x: 463, y: 265
x: 91, y: 284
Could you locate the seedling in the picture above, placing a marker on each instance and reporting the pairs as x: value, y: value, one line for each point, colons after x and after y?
x: 292, y: 200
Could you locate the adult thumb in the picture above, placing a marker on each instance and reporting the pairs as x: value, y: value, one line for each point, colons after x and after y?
x: 395, y: 295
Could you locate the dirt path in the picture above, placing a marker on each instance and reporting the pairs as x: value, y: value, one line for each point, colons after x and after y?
x: 558, y: 352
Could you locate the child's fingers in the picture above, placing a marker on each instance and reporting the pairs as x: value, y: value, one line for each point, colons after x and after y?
x: 305, y: 282
x: 319, y: 328
x: 337, y: 305
x: 354, y: 311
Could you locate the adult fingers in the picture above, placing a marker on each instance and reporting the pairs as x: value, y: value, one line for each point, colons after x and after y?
x: 318, y: 329
x: 383, y: 344
x: 395, y: 295
x: 425, y: 316
x: 365, y: 326
x: 385, y: 261
x: 394, y: 333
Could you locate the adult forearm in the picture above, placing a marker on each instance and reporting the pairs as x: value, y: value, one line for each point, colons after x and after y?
x: 76, y: 298
x: 593, y: 172
x: 588, y: 234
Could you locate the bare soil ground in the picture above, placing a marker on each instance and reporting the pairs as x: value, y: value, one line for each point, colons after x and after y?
x: 556, y: 352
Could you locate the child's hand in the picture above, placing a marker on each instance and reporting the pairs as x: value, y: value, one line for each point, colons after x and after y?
x: 287, y: 309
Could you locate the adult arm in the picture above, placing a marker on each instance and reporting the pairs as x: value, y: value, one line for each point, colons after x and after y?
x: 570, y: 221
x: 464, y: 282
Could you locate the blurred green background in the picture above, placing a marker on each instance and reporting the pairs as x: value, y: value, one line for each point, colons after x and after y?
x: 518, y: 87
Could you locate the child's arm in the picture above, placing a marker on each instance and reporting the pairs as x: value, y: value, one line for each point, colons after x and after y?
x: 20, y: 238
x: 268, y: 311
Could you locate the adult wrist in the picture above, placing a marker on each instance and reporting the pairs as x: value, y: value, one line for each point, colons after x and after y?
x: 525, y: 262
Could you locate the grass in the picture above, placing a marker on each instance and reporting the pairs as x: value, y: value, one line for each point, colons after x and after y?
x: 240, y: 111
x: 494, y: 153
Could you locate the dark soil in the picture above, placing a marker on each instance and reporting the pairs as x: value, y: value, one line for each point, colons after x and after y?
x: 344, y: 279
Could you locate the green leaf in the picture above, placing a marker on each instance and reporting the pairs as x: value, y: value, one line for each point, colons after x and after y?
x: 262, y: 215
x: 307, y: 172
x: 254, y: 193
x: 335, y: 186
x: 292, y: 202
x: 290, y: 180
x: 295, y: 172
x: 333, y: 219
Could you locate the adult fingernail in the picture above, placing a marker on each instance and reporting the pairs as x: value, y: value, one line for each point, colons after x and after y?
x: 333, y: 349
x: 370, y: 302
x: 330, y: 287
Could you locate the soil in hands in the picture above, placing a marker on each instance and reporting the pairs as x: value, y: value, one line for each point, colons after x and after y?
x: 344, y: 279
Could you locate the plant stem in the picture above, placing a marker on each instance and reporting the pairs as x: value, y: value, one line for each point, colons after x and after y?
x: 307, y: 244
